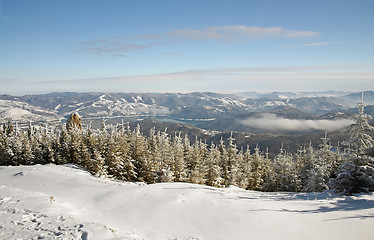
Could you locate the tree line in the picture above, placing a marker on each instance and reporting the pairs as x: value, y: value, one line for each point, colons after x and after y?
x: 126, y: 154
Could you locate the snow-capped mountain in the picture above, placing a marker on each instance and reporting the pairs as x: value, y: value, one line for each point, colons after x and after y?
x: 21, y: 111
x: 203, y: 109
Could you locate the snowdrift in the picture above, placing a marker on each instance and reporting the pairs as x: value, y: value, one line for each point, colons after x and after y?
x: 66, y: 202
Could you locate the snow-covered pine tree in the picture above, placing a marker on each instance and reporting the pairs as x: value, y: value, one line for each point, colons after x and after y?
x: 15, y: 145
x: 356, y: 174
x: 187, y: 156
x: 7, y: 145
x: 320, y: 167
x: 153, y: 156
x: 62, y: 147
x: 27, y: 156
x: 228, y: 160
x: 45, y: 143
x: 74, y: 143
x: 286, y: 177
x: 165, y: 173
x: 197, y: 171
x: 96, y: 162
x: 85, y: 156
x: 122, y: 144
x: 115, y: 163
x: 258, y: 166
x: 179, y: 166
x: 360, y: 139
x: 213, y: 173
x: 243, y: 167
x: 306, y: 160
x: 267, y: 175
x: 229, y: 169
x: 138, y: 153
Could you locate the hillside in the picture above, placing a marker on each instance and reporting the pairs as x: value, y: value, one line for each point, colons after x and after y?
x: 268, y: 119
x: 203, y: 109
x: 57, y: 202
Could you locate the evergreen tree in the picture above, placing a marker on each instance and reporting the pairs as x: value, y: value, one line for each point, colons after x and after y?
x: 213, y: 173
x: 356, y: 174
x: 64, y: 151
x: 27, y: 156
x: 153, y: 156
x: 138, y: 153
x: 166, y: 164
x: 243, y: 169
x: 286, y: 177
x: 360, y: 139
x: 179, y: 166
x: 197, y: 168
x: 229, y: 168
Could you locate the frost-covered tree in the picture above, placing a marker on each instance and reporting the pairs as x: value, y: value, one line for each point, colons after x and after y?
x: 75, y: 144
x: 197, y: 167
x: 213, y: 172
x: 360, y: 139
x: 243, y: 168
x: 356, y: 174
x: 259, y: 178
x: 228, y: 160
x: 7, y: 143
x: 165, y: 172
x: 318, y: 168
x: 286, y: 176
x: 153, y: 156
x: 63, y: 151
x: 27, y: 156
x: 179, y: 166
x: 138, y: 153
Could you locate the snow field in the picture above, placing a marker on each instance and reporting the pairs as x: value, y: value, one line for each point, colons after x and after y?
x: 30, y: 215
x: 65, y: 202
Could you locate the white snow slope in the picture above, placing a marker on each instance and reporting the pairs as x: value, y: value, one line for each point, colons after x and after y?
x: 65, y: 202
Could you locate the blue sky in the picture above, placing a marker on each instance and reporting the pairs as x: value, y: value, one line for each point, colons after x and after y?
x: 186, y: 45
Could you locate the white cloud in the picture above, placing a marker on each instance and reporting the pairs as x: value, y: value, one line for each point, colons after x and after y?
x: 312, y: 44
x: 109, y: 47
x: 268, y: 121
x: 293, y: 78
x: 120, y: 45
x: 315, y: 44
x: 239, y: 32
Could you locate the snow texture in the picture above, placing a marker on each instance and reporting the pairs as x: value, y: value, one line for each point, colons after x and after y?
x: 65, y: 202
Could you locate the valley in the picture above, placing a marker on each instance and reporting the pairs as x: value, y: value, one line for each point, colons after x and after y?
x: 264, y: 119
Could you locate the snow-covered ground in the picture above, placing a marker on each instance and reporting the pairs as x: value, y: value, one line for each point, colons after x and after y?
x: 65, y: 202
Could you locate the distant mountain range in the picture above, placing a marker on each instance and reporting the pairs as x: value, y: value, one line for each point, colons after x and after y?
x: 203, y: 114
x: 205, y: 109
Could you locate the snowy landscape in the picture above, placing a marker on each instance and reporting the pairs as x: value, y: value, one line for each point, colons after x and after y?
x: 66, y: 202
x: 117, y: 183
x: 186, y: 120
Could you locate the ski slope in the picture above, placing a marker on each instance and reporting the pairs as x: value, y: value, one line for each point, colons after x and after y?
x: 65, y: 202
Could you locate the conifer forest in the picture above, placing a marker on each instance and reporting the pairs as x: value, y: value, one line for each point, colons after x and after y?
x: 125, y: 154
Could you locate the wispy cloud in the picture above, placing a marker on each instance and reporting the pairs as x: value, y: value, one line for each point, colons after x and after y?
x: 239, y: 32
x: 112, y: 47
x: 315, y: 44
x: 122, y: 44
x: 293, y: 78
x: 268, y: 121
